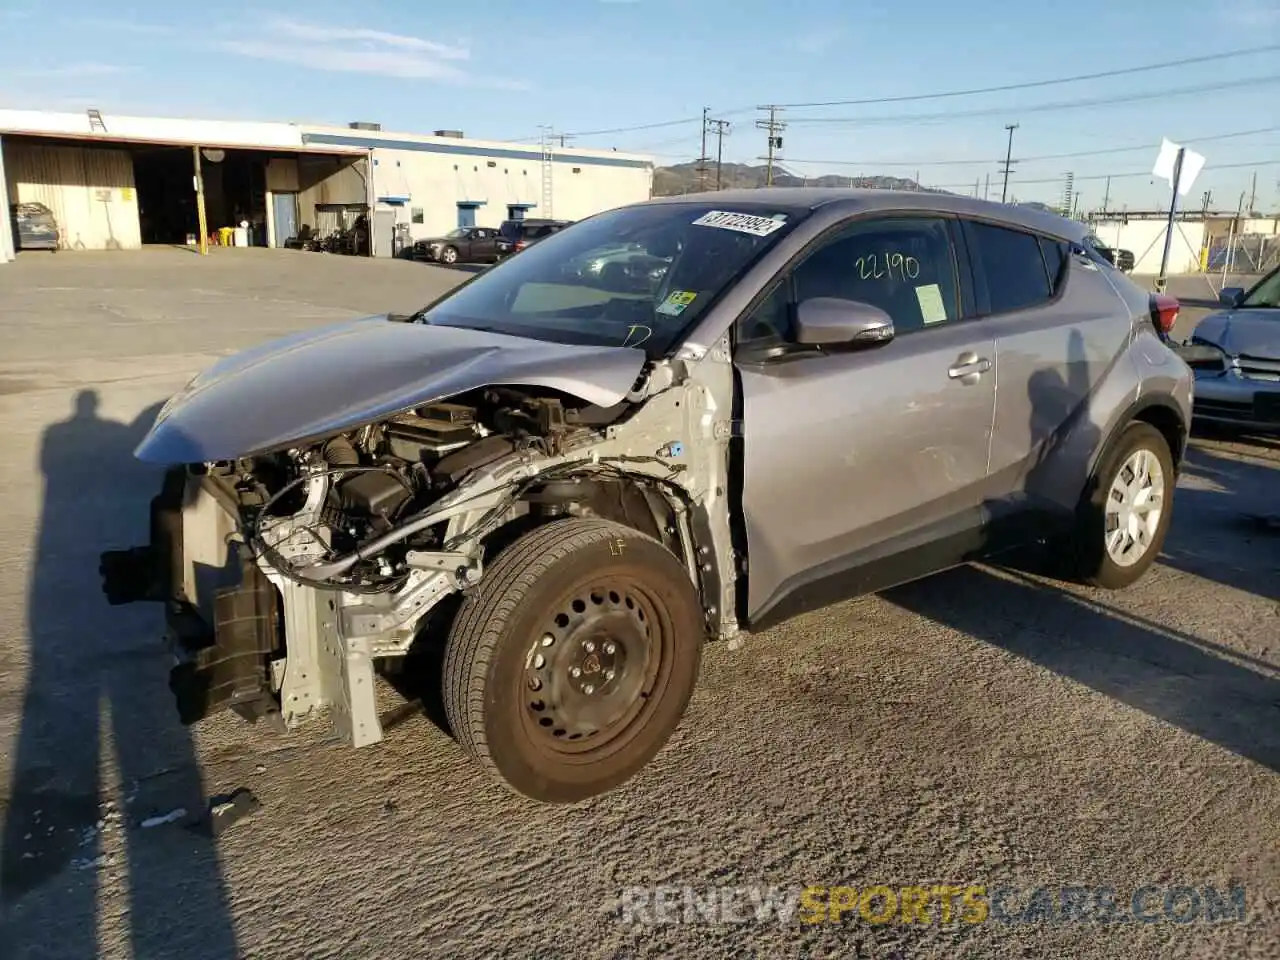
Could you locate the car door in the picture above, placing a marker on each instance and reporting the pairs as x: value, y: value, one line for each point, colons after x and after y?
x: 863, y: 468
x: 466, y: 246
x: 483, y: 244
x: 1059, y: 327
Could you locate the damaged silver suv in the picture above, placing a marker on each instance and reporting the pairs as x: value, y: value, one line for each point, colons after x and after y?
x: 567, y: 480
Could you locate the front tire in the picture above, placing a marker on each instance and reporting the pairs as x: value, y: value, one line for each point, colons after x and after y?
x: 449, y: 255
x: 571, y: 665
x: 1124, y: 515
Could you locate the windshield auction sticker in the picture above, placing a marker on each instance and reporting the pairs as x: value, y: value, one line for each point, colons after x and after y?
x: 740, y: 222
x: 677, y: 302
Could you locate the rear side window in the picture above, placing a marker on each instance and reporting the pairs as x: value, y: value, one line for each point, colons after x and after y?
x: 1011, y: 264
x: 1057, y: 255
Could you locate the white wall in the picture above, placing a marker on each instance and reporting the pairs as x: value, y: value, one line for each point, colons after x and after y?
x: 435, y: 183
x: 1256, y: 225
x: 89, y: 189
x: 1146, y: 239
x: 435, y: 173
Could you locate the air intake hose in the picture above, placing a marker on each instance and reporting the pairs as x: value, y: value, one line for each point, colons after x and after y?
x: 338, y: 452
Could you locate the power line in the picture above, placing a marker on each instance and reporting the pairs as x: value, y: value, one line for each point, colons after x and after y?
x: 1033, y: 84
x: 945, y: 94
x: 959, y: 162
x: 1116, y: 176
x: 1040, y: 107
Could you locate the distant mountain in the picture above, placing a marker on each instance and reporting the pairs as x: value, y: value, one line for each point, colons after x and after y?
x: 683, y: 178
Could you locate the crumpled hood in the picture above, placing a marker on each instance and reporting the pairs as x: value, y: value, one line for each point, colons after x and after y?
x: 1254, y: 333
x: 322, y: 382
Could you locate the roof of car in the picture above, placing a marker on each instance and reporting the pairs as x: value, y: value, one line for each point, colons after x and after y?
x: 866, y: 201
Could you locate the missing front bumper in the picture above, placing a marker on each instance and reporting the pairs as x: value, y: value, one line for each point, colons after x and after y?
x: 222, y: 615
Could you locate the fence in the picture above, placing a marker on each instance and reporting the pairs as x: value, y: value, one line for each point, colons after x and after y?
x: 1245, y: 253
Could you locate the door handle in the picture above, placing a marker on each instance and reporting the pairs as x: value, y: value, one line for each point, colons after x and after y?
x: 968, y: 367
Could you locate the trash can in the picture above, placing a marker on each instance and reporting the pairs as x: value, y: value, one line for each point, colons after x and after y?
x: 240, y: 236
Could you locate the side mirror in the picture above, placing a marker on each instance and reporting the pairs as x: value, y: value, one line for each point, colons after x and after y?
x: 1231, y: 296
x: 828, y: 321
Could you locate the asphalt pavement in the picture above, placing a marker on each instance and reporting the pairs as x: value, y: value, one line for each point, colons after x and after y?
x: 985, y: 727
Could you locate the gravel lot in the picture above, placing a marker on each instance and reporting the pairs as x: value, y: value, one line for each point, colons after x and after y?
x: 981, y: 727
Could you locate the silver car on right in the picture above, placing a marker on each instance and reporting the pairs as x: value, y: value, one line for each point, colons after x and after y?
x: 1235, y: 355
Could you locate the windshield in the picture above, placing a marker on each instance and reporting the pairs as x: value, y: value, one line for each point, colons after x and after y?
x: 457, y: 234
x: 1265, y: 295
x: 637, y: 277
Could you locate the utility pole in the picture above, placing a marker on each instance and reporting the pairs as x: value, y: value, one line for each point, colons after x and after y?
x: 702, y: 154
x: 986, y: 187
x: 722, y: 130
x: 1163, y: 280
x: 1106, y: 197
x: 1008, y: 162
x: 1253, y: 191
x: 773, y: 127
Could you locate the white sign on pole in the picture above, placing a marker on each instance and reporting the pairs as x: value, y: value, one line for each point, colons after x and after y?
x: 1192, y: 164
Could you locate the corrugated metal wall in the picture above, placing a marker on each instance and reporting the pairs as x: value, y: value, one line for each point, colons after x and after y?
x: 89, y: 189
x: 328, y: 180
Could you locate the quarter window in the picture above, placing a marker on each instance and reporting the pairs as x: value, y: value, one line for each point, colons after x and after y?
x: 1012, y: 265
x: 1057, y: 254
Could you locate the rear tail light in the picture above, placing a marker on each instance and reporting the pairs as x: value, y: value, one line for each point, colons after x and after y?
x: 520, y: 245
x: 1164, y: 312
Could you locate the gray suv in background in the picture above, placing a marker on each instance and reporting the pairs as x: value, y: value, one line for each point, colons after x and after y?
x: 562, y: 485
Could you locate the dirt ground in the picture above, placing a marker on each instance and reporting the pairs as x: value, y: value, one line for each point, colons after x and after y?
x: 983, y: 727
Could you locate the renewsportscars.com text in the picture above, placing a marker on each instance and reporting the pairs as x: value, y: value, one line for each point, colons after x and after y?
x: 940, y: 904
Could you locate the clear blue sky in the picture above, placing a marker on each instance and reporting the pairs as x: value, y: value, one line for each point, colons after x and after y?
x: 501, y: 68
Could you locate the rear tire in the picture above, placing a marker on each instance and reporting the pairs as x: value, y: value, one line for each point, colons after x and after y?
x: 570, y: 666
x: 1124, y: 514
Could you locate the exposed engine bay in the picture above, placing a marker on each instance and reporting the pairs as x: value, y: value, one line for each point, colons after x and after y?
x: 288, y: 574
x: 353, y: 504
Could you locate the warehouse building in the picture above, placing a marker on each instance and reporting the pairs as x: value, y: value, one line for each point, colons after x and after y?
x: 117, y: 182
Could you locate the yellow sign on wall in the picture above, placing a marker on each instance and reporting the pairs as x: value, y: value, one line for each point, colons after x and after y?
x: 127, y: 194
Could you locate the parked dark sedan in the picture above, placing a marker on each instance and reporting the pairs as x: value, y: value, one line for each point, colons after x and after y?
x: 464, y: 245
x: 523, y: 233
x: 1123, y: 260
x: 34, y: 227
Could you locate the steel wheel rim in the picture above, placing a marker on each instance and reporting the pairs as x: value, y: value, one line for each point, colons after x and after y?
x: 450, y: 256
x: 1134, y: 507
x: 605, y: 626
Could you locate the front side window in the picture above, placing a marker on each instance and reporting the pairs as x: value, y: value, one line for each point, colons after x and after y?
x: 1266, y: 295
x: 638, y: 276
x: 902, y: 265
x: 1012, y: 266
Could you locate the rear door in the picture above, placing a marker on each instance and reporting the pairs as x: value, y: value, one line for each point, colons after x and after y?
x: 862, y: 469
x: 1059, y: 327
x: 483, y: 243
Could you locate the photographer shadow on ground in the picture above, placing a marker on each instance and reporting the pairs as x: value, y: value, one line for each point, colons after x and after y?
x: 100, y: 748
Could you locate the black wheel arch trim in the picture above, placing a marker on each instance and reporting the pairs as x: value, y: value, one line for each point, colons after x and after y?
x: 1163, y: 402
